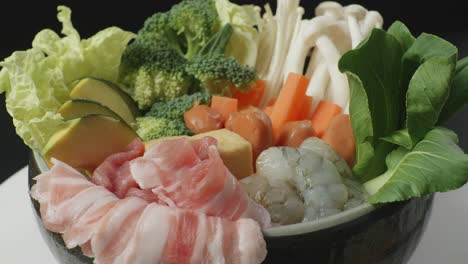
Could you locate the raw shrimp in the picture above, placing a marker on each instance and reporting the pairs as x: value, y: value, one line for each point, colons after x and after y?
x: 277, y: 196
x: 303, y: 184
x: 322, y: 148
x: 357, y: 195
x: 320, y: 185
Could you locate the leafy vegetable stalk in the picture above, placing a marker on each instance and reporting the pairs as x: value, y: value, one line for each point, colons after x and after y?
x: 398, y: 97
x: 436, y: 164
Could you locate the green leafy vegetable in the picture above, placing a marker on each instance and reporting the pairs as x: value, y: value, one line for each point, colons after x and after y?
x: 458, y: 93
x: 427, y: 93
x: 436, y: 164
x: 35, y: 81
x: 425, y: 47
x: 427, y: 71
x: 243, y: 45
x: 402, y: 34
x: 400, y: 138
x: 396, y: 101
x: 376, y: 96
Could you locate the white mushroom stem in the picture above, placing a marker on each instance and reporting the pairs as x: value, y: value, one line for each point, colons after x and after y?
x: 318, y: 68
x: 338, y: 92
x: 315, y: 60
x: 310, y: 31
x: 329, y: 8
x: 319, y: 81
x: 288, y: 16
x: 353, y: 14
x: 268, y: 28
x: 372, y: 20
x: 346, y: 109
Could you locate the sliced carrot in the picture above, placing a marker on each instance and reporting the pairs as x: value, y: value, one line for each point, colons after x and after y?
x: 268, y: 110
x: 323, y: 115
x: 340, y: 137
x: 304, y: 113
x: 252, y: 97
x: 224, y: 105
x: 289, y: 100
x: 272, y: 102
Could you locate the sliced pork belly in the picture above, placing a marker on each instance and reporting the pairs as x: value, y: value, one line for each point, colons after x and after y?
x: 170, y: 235
x: 70, y: 204
x: 191, y: 174
x: 110, y: 173
x: 116, y: 228
x: 131, y: 230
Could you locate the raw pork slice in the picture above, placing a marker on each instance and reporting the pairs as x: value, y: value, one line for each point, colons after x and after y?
x: 131, y: 230
x: 168, y: 235
x: 114, y: 173
x: 191, y: 174
x: 107, y: 174
x: 70, y: 204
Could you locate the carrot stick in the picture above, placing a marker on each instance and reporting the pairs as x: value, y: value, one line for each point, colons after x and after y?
x: 224, y: 105
x: 304, y: 113
x: 340, y: 137
x: 272, y: 102
x: 252, y: 97
x: 323, y: 115
x: 289, y: 100
x: 268, y: 110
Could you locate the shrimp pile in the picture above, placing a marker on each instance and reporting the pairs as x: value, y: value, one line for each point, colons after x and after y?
x: 303, y: 184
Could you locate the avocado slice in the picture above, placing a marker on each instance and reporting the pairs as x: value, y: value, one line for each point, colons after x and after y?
x: 107, y: 94
x: 82, y: 107
x: 85, y: 142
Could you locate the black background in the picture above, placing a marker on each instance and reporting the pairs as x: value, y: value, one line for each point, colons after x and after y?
x: 21, y: 20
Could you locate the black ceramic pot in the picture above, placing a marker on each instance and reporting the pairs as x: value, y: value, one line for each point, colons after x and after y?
x: 364, y: 235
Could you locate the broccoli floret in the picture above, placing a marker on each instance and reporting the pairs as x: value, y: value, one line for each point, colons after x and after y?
x: 152, y: 71
x: 179, y: 52
x: 150, y: 128
x: 167, y: 118
x: 218, y: 74
x: 157, y: 28
x: 175, y: 109
x: 196, y: 21
x: 215, y: 71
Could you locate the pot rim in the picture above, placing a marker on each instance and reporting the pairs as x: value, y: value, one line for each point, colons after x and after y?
x: 285, y: 230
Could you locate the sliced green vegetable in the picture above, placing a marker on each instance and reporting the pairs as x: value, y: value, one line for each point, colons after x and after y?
x: 436, y: 164
x: 76, y: 108
x: 108, y: 95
